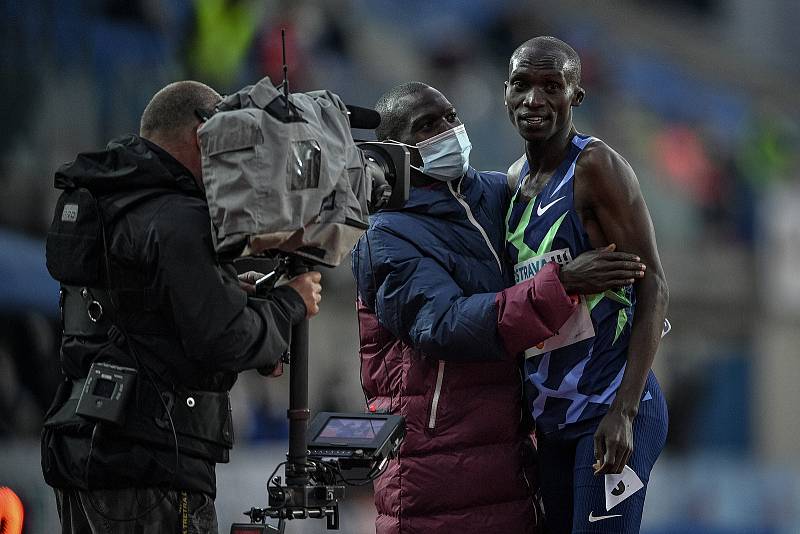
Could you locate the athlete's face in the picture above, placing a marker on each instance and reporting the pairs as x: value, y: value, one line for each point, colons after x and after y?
x: 538, y: 95
x: 431, y: 114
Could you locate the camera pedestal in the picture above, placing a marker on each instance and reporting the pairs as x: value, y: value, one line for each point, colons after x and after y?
x: 301, y: 497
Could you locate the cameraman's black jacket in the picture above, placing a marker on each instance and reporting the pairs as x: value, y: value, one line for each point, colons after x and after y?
x: 189, y: 322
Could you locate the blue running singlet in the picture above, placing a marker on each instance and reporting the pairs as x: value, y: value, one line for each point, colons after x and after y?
x: 570, y: 388
x: 579, y: 381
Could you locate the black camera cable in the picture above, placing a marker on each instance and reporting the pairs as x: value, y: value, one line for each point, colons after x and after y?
x: 277, y: 488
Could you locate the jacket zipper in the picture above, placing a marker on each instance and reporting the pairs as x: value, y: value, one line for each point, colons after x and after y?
x: 460, y: 199
x: 436, y: 394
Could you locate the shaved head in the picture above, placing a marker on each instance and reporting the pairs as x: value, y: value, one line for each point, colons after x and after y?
x: 395, y: 109
x: 171, y: 113
x: 566, y: 57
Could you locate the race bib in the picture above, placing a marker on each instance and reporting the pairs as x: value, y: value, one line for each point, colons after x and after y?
x: 579, y: 325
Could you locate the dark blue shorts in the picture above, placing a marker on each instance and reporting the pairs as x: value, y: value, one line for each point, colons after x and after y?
x: 574, y: 498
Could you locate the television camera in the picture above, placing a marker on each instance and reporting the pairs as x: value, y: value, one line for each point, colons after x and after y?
x: 285, y: 179
x: 282, y: 173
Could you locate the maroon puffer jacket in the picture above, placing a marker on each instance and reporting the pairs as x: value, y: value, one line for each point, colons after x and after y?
x: 462, y: 466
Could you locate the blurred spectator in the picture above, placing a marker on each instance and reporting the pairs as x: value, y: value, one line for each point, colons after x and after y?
x: 223, y: 35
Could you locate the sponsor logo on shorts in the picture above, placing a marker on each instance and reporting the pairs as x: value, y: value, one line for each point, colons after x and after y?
x: 619, y: 490
x: 593, y: 518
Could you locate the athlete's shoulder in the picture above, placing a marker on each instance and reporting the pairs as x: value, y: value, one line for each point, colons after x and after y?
x: 599, y: 160
x: 604, y: 177
x: 514, y: 172
x: 596, y: 153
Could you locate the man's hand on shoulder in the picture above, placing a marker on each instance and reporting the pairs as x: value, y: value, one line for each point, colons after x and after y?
x: 597, y: 270
x: 309, y: 286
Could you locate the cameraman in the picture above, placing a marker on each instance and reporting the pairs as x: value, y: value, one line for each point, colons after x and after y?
x: 171, y: 311
x: 441, y: 334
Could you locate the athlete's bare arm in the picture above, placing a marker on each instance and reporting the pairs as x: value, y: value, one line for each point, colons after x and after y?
x: 612, y: 209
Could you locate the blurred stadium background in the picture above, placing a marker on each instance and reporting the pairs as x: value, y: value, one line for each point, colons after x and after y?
x: 699, y: 95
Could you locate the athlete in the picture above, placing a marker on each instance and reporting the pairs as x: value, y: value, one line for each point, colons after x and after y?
x: 596, y: 403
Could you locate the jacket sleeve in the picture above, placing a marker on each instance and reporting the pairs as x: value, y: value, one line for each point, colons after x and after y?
x: 417, y: 300
x: 218, y: 325
x: 539, y: 303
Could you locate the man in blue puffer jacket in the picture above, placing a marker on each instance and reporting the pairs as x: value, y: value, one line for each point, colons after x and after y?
x: 441, y: 334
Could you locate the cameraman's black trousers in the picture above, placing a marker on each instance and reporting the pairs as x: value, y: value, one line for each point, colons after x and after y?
x: 173, y: 511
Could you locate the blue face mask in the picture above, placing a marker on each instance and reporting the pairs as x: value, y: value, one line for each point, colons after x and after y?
x: 445, y: 156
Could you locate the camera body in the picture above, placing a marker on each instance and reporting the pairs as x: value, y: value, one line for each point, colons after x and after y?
x: 283, y: 173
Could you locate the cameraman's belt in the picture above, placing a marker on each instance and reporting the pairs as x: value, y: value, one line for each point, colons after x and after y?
x: 197, y: 415
x: 88, y: 311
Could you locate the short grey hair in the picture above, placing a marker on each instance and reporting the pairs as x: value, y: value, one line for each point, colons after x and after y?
x: 173, y: 109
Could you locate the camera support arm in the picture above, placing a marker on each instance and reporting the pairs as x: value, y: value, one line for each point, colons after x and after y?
x: 298, y: 413
x: 307, y: 493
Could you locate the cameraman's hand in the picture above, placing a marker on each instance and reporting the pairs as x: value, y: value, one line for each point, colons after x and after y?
x: 310, y: 289
x: 278, y: 371
x: 597, y: 270
x: 247, y: 281
x: 274, y: 372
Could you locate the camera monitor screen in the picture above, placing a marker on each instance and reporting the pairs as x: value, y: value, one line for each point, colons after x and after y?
x: 351, y: 429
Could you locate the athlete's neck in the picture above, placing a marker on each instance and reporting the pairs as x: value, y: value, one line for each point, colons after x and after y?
x: 546, y: 155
